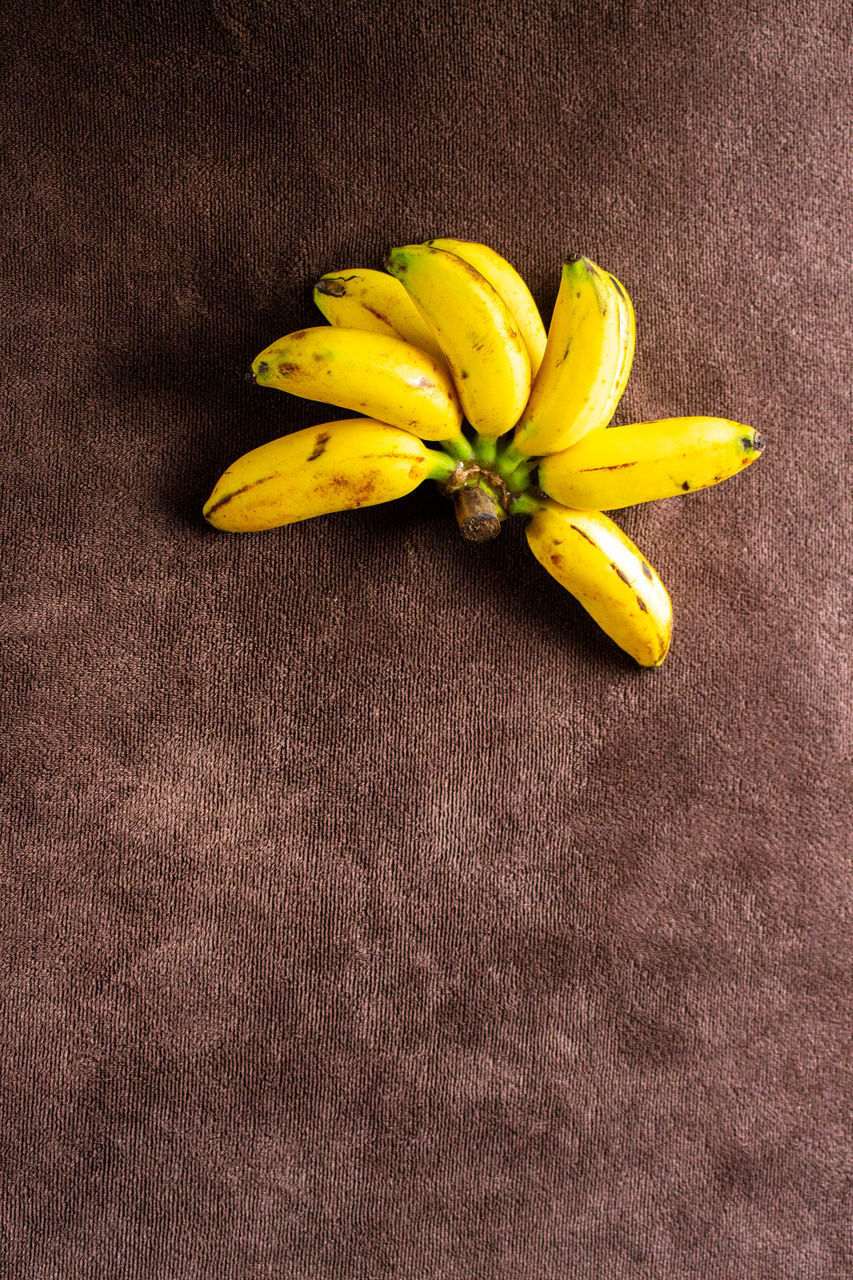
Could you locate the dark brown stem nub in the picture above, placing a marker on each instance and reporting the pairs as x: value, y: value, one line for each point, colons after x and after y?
x: 476, y: 515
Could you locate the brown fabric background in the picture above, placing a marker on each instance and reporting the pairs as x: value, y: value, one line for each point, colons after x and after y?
x: 366, y: 913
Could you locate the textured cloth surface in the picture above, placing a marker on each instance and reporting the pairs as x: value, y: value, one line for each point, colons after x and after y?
x: 367, y: 914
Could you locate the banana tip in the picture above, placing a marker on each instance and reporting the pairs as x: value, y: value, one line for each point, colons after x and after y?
x: 330, y: 287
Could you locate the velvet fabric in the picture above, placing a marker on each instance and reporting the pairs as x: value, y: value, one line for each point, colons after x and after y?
x: 368, y: 915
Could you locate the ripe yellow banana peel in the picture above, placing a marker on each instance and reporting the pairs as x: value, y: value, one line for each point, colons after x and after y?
x: 452, y: 329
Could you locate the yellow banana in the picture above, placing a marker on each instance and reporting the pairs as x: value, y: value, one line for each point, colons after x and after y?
x: 509, y: 285
x: 592, y: 558
x: 584, y: 360
x: 621, y: 466
x: 376, y: 302
x: 383, y: 377
x: 475, y: 330
x: 628, y: 338
x: 356, y: 462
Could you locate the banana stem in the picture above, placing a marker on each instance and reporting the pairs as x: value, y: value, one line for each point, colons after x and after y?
x: 512, y: 457
x: 517, y: 479
x: 442, y: 466
x: 476, y: 515
x: 525, y: 504
x: 458, y: 447
x: 485, y: 449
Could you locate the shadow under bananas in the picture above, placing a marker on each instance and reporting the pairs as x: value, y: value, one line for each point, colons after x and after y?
x: 198, y: 383
x: 494, y: 584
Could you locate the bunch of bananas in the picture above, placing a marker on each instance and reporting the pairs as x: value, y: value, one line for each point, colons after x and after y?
x: 447, y: 346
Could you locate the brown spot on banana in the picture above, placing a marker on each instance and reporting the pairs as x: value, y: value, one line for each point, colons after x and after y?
x: 235, y: 493
x: 641, y: 602
x: 320, y: 446
x: 590, y: 540
x: 378, y: 314
x: 611, y: 466
x: 565, y: 353
x: 620, y: 574
x: 332, y: 288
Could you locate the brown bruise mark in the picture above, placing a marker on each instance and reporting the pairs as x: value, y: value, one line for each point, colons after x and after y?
x: 620, y: 574
x: 351, y: 493
x: 641, y: 602
x: 378, y: 314
x: 685, y: 484
x: 319, y: 446
x: 235, y: 493
x: 465, y: 264
x: 647, y: 570
x: 611, y: 466
x: 565, y: 354
x: 262, y: 368
x: 286, y: 368
x: 557, y: 561
x: 617, y: 286
x: 590, y: 540
x: 298, y: 335
x: 334, y: 288
x: 424, y: 382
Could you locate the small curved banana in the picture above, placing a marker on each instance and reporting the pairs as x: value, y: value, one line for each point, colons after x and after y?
x: 508, y: 284
x: 628, y: 341
x: 591, y: 557
x: 475, y: 330
x: 376, y: 302
x: 382, y: 377
x: 620, y: 466
x: 589, y: 351
x: 355, y: 462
